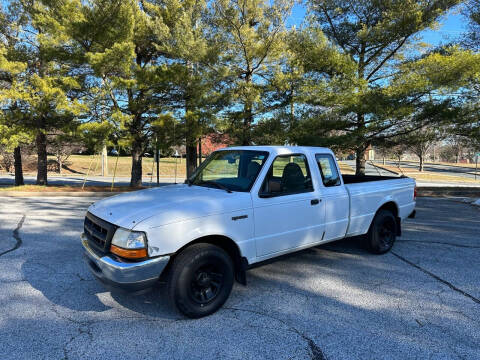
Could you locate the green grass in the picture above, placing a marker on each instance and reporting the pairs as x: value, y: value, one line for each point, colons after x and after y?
x: 81, y: 164
x: 123, y: 165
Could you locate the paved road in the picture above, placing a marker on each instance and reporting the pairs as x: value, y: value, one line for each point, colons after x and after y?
x: 462, y: 171
x: 337, y: 301
x: 370, y: 169
x: 77, y: 180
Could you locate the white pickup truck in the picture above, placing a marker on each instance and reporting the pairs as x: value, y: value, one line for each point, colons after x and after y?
x: 242, y: 206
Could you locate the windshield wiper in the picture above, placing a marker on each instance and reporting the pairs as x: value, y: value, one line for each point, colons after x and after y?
x: 216, y: 184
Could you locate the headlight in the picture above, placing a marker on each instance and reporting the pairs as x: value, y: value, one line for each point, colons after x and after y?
x: 129, y: 239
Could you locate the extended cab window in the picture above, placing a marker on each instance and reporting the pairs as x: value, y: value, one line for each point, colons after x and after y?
x: 232, y: 170
x: 289, y: 174
x: 328, y: 170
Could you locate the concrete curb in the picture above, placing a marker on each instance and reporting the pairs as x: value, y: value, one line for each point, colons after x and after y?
x: 448, y: 191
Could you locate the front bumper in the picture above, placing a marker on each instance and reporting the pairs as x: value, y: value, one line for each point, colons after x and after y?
x: 127, y: 276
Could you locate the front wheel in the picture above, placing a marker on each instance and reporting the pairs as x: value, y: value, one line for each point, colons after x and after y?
x: 382, y: 233
x: 201, y: 279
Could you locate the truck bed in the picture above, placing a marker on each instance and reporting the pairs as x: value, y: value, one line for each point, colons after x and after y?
x: 354, y: 179
x: 367, y: 192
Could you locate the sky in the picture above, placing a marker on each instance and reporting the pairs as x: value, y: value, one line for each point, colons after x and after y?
x: 451, y: 26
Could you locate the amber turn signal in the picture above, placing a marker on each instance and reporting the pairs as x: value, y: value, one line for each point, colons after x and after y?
x: 128, y: 254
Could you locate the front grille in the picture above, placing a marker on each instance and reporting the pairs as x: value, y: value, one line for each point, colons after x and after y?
x: 98, y: 232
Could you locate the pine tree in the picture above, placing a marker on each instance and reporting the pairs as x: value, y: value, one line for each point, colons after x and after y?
x: 469, y: 121
x: 44, y: 93
x: 12, y: 135
x: 253, y: 34
x: 376, y: 35
x: 193, y: 57
x: 132, y: 83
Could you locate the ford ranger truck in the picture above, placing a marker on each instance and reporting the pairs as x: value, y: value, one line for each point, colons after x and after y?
x: 242, y: 206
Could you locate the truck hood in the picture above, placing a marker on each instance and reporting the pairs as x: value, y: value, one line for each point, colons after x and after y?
x: 168, y: 204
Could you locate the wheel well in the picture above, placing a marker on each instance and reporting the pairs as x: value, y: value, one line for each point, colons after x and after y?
x: 392, y: 207
x: 230, y: 247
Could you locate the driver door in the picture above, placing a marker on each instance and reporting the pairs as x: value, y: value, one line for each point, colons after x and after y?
x: 288, y: 211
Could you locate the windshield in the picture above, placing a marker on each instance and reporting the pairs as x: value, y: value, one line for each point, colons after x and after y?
x: 231, y: 170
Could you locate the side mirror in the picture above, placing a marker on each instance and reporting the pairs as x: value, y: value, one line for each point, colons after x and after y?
x: 333, y: 182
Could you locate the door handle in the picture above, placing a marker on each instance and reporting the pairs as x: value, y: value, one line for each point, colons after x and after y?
x: 315, y: 201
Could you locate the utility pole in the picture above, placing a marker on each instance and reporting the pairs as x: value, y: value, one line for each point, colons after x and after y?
x: 104, y: 161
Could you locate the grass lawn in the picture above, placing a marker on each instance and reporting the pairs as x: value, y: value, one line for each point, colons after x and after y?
x: 81, y: 163
x: 345, y: 168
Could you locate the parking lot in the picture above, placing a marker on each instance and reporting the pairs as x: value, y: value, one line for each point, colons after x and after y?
x: 336, y: 301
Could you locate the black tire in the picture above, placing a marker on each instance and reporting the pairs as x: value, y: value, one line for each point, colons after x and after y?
x: 382, y: 233
x: 200, y: 280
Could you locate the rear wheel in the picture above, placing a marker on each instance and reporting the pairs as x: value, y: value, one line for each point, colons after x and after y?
x: 382, y: 233
x: 201, y: 279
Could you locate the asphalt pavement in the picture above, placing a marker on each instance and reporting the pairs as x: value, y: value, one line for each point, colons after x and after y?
x: 337, y: 301
x: 370, y: 169
x: 77, y: 180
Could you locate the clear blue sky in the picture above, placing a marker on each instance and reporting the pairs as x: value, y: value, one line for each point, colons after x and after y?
x: 452, y: 25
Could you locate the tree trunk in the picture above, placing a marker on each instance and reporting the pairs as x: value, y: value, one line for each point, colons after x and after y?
x: 41, y: 143
x: 360, y: 162
x: 17, y: 155
x: 199, y: 151
x: 247, y: 124
x: 420, y: 168
x: 190, y: 146
x: 136, y: 176
x: 248, y: 115
x: 191, y: 157
x: 190, y: 138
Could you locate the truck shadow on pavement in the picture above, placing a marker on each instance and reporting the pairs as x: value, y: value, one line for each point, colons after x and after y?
x: 69, y: 283
x: 155, y: 303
